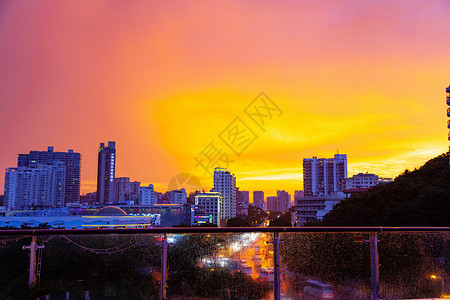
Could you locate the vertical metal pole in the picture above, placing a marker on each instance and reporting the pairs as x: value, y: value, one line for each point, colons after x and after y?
x: 374, y: 266
x: 163, y: 267
x: 276, y: 269
x: 32, y: 277
x: 32, y: 274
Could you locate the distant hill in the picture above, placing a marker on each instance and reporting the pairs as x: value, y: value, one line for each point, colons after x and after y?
x: 417, y: 198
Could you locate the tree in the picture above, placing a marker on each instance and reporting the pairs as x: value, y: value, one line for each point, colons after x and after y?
x: 238, y: 222
x: 256, y: 215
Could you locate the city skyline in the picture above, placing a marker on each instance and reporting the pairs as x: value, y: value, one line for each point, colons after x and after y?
x: 163, y: 81
x: 117, y: 187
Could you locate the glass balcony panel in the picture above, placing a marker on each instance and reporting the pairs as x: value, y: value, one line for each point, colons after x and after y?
x: 227, y: 266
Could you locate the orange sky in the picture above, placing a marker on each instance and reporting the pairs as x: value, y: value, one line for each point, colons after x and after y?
x: 164, y: 79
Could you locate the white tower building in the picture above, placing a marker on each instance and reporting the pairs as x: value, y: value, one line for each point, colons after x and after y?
x: 324, y: 176
x: 225, y: 184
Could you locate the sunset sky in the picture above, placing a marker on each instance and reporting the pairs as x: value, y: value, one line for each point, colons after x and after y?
x: 165, y: 78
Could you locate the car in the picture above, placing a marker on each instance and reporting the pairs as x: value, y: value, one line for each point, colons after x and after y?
x: 318, y: 289
x: 246, y: 269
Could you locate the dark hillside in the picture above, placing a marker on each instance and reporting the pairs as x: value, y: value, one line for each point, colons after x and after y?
x: 417, y: 198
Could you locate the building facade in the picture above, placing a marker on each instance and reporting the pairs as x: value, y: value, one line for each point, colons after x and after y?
x: 36, y: 186
x: 314, y: 208
x: 283, y: 201
x: 177, y: 196
x: 147, y: 195
x: 272, y: 203
x: 106, y: 173
x: 225, y: 184
x: 211, y: 205
x: 258, y: 199
x: 361, y: 181
x: 242, y: 201
x: 70, y: 160
x: 324, y: 176
x: 126, y: 191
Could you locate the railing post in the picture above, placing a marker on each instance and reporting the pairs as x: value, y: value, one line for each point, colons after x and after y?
x: 276, y: 265
x: 163, y: 267
x: 374, y: 266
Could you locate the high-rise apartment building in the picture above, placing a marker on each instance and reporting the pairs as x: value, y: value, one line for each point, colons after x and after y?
x: 70, y: 160
x: 272, y: 203
x: 242, y: 200
x: 324, y: 176
x: 225, y: 184
x: 283, y: 201
x: 106, y: 173
x: 35, y: 186
x: 258, y: 199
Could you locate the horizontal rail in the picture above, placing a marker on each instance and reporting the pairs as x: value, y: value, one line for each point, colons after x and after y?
x: 181, y: 230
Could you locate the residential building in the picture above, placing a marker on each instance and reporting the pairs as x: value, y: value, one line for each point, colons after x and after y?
x: 225, y: 184
x: 297, y: 194
x: 177, y: 196
x: 106, y: 173
x: 211, y: 203
x: 258, y: 199
x: 38, y: 185
x: 126, y: 191
x: 283, y: 201
x: 272, y: 203
x: 242, y: 201
x: 70, y: 160
x: 361, y: 181
x: 324, y: 176
x: 147, y: 196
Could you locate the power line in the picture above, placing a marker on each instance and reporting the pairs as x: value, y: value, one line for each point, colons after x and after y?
x: 111, y: 250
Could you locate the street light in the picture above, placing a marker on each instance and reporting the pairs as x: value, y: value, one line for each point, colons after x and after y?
x: 435, y: 277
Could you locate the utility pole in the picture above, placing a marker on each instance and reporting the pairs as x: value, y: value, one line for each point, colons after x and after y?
x: 374, y: 266
x: 32, y: 248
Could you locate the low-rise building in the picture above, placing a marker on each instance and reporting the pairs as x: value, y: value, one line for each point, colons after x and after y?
x: 314, y: 208
x: 210, y: 203
x: 97, y: 216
